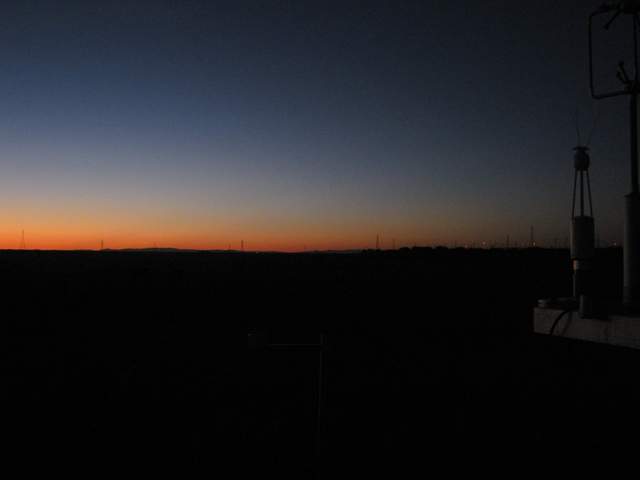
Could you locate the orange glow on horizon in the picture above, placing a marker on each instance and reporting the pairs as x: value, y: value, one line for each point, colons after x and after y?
x: 53, y: 239
x: 77, y: 227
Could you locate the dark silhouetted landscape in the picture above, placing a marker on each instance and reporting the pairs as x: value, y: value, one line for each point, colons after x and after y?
x: 119, y: 357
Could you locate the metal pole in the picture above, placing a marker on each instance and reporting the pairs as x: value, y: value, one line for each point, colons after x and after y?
x: 320, y: 405
x: 575, y: 183
x: 634, y: 140
x: 581, y: 193
x: 631, y: 251
x: 589, y: 190
x: 320, y: 411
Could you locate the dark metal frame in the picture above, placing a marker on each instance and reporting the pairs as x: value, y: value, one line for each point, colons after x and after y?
x: 319, y: 347
x: 631, y: 86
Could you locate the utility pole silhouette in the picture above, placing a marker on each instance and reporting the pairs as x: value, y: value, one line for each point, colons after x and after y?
x: 377, y: 242
x: 242, y: 245
x: 23, y: 243
x: 393, y: 242
x: 101, y: 244
x: 508, y: 244
x: 532, y: 240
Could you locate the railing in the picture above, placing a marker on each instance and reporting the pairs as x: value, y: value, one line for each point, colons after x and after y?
x: 260, y: 341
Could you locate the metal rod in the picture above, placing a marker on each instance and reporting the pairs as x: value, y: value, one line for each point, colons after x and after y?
x: 634, y: 140
x: 591, y: 86
x: 598, y: 96
x: 581, y: 193
x: 612, y: 19
x: 589, y: 191
x: 573, y: 205
x: 295, y: 347
x: 631, y: 252
x: 320, y: 406
x: 635, y: 50
x: 635, y: 53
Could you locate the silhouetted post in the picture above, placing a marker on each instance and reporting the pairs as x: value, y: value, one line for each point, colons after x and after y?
x: 320, y: 411
x: 260, y: 341
x: 631, y: 251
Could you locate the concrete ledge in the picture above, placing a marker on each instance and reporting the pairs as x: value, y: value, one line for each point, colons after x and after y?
x: 617, y: 330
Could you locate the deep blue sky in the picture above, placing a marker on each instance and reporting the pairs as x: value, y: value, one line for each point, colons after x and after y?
x: 291, y: 124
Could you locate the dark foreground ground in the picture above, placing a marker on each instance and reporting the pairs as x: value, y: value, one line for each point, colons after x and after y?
x: 112, y: 359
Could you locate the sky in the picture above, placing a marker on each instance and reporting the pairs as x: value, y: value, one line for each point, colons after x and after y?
x: 302, y: 125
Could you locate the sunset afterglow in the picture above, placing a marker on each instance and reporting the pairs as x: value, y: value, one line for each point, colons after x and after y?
x: 197, y: 128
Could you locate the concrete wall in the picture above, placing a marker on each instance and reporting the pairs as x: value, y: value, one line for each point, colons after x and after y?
x: 616, y: 330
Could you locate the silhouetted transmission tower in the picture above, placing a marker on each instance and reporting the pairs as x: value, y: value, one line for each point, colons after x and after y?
x: 23, y: 243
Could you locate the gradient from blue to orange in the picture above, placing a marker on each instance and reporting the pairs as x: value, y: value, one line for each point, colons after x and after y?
x: 199, y: 124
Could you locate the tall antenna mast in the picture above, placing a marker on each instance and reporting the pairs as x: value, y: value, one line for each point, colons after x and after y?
x: 23, y: 244
x: 630, y: 87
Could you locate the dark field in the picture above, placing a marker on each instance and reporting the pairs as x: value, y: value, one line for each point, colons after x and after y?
x: 110, y: 358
